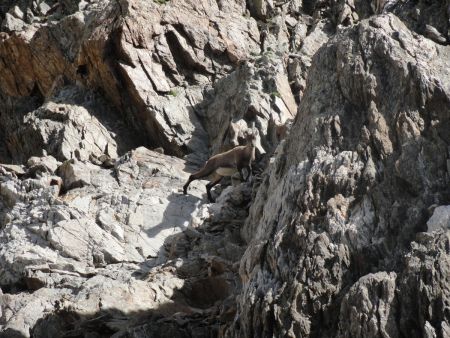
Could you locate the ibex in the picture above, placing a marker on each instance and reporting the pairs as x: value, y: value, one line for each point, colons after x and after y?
x: 227, y: 164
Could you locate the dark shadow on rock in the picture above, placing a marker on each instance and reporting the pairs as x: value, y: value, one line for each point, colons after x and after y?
x: 97, y: 106
x: 171, y: 220
x: 207, y: 259
x: 174, y: 222
x: 20, y: 142
x: 11, y: 333
x: 12, y: 112
x: 168, y: 320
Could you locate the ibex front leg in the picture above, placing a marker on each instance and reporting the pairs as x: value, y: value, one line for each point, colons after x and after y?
x: 241, y: 174
x: 185, y: 187
x: 248, y: 168
x: 249, y: 172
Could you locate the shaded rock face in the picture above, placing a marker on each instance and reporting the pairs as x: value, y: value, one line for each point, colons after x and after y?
x: 427, y: 18
x: 365, y: 160
x: 72, y: 124
x: 412, y: 302
x: 159, y: 65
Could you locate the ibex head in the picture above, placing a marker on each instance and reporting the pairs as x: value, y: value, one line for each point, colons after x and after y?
x: 236, y: 131
x: 251, y: 136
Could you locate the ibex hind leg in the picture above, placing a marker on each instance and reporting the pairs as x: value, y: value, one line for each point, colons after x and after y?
x: 205, y: 171
x: 193, y: 177
x: 185, y: 187
x: 210, y: 185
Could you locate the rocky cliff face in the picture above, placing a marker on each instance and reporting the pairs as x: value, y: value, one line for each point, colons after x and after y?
x: 349, y: 192
x: 107, y: 106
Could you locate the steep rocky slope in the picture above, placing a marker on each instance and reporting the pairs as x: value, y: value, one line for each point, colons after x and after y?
x: 356, y: 181
x: 342, y: 231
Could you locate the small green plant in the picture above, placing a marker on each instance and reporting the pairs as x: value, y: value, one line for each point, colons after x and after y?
x: 275, y: 94
x: 172, y: 92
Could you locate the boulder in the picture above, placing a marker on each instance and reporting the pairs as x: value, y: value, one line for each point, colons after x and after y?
x: 82, y: 134
x: 440, y: 220
x: 42, y: 164
x: 12, y: 23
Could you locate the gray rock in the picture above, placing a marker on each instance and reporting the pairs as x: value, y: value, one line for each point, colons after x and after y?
x: 75, y: 174
x: 43, y: 8
x: 9, y: 192
x: 440, y: 220
x: 256, y: 94
x: 428, y: 257
x: 300, y: 62
x: 73, y: 123
x: 71, y: 237
x: 13, y: 168
x: 370, y: 307
x: 154, y: 73
x: 16, y: 12
x: 42, y: 164
x: 432, y: 33
x: 12, y: 23
x: 381, y: 303
x: 65, y: 130
x: 325, y: 211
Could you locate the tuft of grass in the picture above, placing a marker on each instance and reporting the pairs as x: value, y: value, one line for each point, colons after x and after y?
x: 275, y: 94
x: 172, y: 92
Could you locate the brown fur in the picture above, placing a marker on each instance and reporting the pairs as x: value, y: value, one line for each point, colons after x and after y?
x: 238, y: 158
